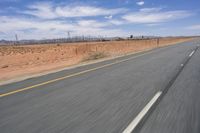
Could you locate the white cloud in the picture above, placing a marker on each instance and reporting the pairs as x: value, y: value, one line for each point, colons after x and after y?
x: 117, y: 22
x: 155, y: 15
x: 92, y: 23
x: 41, y: 10
x: 39, y: 29
x: 150, y: 9
x: 140, y: 3
x: 194, y: 27
x: 54, y: 21
x: 153, y: 24
x: 109, y: 17
x: 82, y: 11
x: 47, y: 10
x: 13, y: 24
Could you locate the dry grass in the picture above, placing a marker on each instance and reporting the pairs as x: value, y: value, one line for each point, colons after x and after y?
x: 95, y: 56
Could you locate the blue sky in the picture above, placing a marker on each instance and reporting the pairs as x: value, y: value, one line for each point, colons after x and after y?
x: 40, y: 19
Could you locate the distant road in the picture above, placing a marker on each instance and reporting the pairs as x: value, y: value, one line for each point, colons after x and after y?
x: 151, y: 92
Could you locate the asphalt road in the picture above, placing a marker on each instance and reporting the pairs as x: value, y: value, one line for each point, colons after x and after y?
x: 111, y: 96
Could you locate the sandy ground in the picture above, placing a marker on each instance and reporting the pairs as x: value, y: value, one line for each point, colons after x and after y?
x: 19, y: 61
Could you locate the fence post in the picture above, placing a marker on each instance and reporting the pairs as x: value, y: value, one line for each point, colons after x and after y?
x: 158, y: 42
x: 76, y: 50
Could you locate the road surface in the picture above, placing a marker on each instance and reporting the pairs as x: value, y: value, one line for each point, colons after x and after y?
x: 156, y: 91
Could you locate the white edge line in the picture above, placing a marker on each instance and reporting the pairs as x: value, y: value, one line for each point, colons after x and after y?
x: 191, y: 54
x: 144, y: 111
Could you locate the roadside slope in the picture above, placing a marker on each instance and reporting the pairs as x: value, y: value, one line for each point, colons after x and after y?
x: 22, y: 61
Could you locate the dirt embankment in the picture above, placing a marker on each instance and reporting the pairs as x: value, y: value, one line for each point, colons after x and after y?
x: 24, y: 60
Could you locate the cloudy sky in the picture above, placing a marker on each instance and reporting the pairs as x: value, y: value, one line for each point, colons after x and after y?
x: 40, y: 19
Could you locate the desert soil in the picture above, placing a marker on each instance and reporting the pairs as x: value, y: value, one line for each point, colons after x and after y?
x: 23, y: 60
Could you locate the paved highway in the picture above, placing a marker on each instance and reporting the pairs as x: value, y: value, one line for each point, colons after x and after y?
x: 155, y: 91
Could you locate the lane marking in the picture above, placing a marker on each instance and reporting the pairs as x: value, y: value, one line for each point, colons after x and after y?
x: 131, y: 127
x: 191, y: 53
x: 141, y: 115
x: 72, y: 75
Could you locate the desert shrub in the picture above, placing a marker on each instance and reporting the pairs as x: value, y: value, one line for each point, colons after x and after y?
x: 4, y: 66
x: 95, y: 56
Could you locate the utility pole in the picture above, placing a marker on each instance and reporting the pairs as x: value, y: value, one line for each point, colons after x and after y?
x: 68, y: 33
x: 158, y: 41
x: 16, y: 39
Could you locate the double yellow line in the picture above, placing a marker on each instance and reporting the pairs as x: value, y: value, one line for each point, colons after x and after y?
x: 68, y: 76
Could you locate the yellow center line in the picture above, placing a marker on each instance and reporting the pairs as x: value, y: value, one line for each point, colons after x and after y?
x: 68, y: 76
